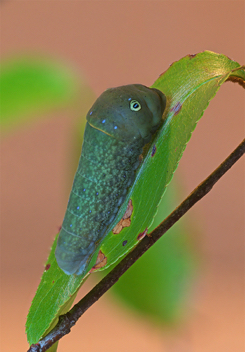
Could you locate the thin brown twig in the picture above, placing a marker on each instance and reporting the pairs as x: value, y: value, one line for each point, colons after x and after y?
x: 69, y: 319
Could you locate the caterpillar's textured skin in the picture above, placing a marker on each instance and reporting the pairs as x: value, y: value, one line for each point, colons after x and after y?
x: 113, y: 141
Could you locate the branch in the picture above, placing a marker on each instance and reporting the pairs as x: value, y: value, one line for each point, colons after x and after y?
x: 69, y: 319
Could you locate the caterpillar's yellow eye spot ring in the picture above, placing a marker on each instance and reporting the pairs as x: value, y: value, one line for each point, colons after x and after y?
x: 135, y: 105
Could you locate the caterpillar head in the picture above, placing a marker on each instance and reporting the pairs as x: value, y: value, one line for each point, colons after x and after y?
x: 128, y: 112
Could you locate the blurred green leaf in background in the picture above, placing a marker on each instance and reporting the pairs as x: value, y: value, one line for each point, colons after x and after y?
x: 34, y: 85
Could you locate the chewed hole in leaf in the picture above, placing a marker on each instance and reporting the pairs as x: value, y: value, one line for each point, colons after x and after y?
x: 100, y: 261
x: 126, y: 219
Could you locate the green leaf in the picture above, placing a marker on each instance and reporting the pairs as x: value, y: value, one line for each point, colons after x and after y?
x: 32, y: 86
x: 189, y: 85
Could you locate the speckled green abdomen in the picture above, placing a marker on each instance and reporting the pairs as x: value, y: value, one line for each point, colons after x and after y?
x: 119, y: 124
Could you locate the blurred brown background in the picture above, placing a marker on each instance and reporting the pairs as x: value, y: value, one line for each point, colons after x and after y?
x: 115, y: 43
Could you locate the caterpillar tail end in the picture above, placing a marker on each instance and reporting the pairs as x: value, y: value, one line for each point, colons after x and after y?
x: 68, y: 264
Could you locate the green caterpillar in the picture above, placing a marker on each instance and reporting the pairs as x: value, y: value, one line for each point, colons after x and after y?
x: 119, y: 124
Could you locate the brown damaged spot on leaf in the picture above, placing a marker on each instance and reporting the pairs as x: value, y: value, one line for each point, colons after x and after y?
x: 126, y: 219
x: 100, y: 261
x: 176, y: 108
x: 47, y: 267
x: 142, y: 235
x: 162, y: 73
x: 154, y: 149
x: 191, y: 56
